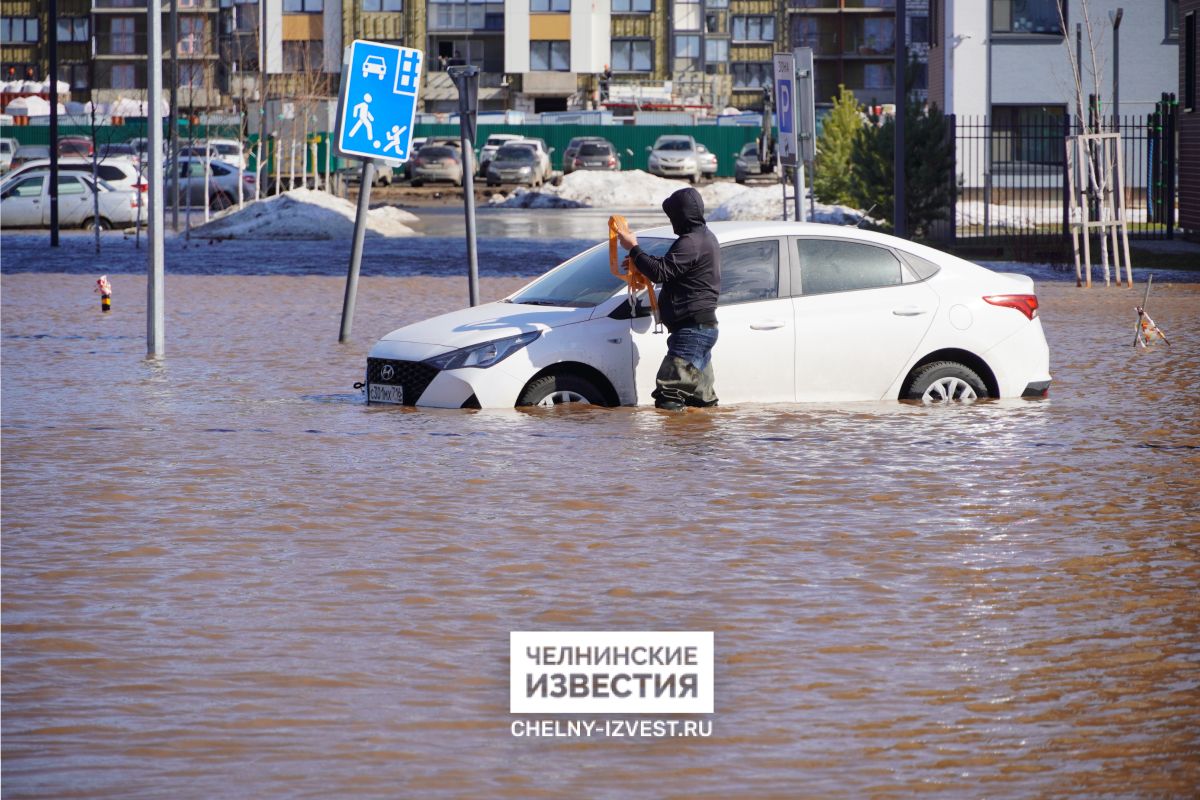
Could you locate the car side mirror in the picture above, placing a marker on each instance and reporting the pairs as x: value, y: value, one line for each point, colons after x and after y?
x: 649, y: 149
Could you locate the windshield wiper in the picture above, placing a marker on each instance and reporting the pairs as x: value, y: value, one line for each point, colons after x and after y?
x: 538, y: 301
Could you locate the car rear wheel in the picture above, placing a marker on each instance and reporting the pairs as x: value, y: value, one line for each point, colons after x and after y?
x: 945, y: 382
x: 555, y: 390
x: 90, y: 223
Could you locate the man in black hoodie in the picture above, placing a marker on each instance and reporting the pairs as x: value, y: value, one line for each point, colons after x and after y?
x: 690, y: 274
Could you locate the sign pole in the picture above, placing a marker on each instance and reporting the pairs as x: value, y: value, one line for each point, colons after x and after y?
x: 466, y: 79
x: 360, y: 232
x: 154, y: 202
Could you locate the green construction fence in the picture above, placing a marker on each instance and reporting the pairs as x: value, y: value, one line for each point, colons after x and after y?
x: 630, y: 141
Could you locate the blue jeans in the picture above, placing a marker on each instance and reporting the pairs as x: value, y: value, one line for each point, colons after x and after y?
x: 685, y: 377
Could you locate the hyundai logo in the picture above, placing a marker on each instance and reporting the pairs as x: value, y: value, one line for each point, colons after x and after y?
x: 387, y: 372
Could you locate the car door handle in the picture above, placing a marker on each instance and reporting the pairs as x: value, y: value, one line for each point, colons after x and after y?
x: 767, y: 325
x: 910, y: 311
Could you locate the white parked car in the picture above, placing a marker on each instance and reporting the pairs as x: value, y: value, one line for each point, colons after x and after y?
x: 120, y: 172
x: 228, y: 150
x: 808, y: 312
x: 675, y: 156
x: 25, y: 202
x: 543, y: 155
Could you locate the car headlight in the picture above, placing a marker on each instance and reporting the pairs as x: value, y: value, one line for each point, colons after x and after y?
x: 526, y: 170
x: 483, y: 355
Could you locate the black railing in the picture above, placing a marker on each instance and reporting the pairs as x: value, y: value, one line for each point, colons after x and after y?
x: 1012, y: 181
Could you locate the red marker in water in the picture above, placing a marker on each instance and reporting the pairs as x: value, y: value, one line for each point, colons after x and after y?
x: 104, y: 288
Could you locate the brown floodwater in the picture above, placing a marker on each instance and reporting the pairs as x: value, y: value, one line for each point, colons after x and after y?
x: 225, y: 576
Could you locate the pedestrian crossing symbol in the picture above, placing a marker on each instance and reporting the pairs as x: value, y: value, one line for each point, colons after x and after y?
x: 378, y: 104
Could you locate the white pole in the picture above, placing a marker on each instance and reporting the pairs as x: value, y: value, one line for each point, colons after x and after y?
x: 155, y: 293
x: 207, y: 169
x: 328, y: 147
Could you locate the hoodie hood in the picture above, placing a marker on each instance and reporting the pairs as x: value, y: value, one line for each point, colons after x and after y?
x: 685, y: 209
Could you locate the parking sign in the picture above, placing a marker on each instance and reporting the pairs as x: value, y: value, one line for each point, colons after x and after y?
x: 785, y: 107
x: 378, y: 103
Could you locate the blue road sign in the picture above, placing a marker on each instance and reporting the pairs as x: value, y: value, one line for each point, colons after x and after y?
x: 378, y: 105
x: 785, y: 107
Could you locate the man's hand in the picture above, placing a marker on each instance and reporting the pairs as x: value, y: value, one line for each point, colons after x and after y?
x: 626, y: 237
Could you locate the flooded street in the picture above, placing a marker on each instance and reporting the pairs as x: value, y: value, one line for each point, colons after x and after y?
x: 224, y: 575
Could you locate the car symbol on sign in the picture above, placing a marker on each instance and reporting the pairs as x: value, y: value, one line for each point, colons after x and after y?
x: 374, y: 65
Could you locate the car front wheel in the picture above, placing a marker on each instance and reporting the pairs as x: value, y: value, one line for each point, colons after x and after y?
x: 90, y: 223
x: 555, y: 390
x: 945, y: 382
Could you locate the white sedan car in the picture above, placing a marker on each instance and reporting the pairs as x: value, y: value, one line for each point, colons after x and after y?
x: 25, y: 202
x: 808, y: 312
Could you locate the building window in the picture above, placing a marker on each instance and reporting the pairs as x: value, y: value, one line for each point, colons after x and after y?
x: 1172, y: 21
x: 687, y: 15
x: 687, y: 54
x: 191, y: 35
x: 1027, y: 16
x: 383, y: 5
x: 879, y: 37
x: 752, y: 75
x: 303, y: 56
x: 303, y: 6
x: 716, y: 51
x: 191, y: 75
x: 550, y: 56
x: 753, y: 29
x: 918, y: 30
x: 123, y: 76
x: 716, y: 4
x: 632, y: 55
x: 878, y: 76
x: 122, y: 35
x: 1189, y: 61
x: 544, y: 6
x: 632, y: 6
x: 74, y: 75
x: 72, y: 29
x: 920, y: 76
x: 19, y: 30
x: 1027, y: 134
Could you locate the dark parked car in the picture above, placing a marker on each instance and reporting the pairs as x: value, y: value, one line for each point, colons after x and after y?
x: 747, y: 162
x: 514, y: 163
x: 80, y: 146
x: 573, y: 150
x: 596, y: 154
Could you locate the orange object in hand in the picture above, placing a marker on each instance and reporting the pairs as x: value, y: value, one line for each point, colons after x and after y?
x: 634, y: 279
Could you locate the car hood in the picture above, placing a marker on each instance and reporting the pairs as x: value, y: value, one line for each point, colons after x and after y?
x: 485, y: 323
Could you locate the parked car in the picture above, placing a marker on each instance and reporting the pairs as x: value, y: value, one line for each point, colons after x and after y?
x: 746, y: 163
x: 25, y: 202
x: 493, y: 143
x: 807, y: 312
x: 29, y: 152
x: 596, y: 154
x: 707, y: 161
x: 8, y: 149
x: 674, y: 156
x: 222, y: 182
x: 436, y: 162
x: 515, y: 163
x: 543, y: 154
x: 81, y: 146
x: 414, y: 147
x: 115, y: 150
x: 448, y: 141
x: 573, y: 150
x: 120, y: 172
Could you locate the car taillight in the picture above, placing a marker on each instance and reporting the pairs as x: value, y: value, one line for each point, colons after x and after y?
x: 143, y: 187
x: 578, y: 162
x: 612, y: 162
x: 249, y: 178
x: 1027, y: 304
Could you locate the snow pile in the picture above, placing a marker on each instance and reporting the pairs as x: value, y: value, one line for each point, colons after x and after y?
x: 629, y: 189
x: 303, y: 214
x: 766, y: 203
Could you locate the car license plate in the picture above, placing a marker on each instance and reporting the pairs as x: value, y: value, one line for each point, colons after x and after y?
x: 383, y: 393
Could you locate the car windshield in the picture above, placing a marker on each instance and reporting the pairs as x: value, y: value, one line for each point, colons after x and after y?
x: 751, y: 150
x: 674, y: 144
x: 593, y: 150
x: 584, y: 281
x: 514, y: 154
x: 226, y: 149
x: 497, y: 141
x: 436, y: 152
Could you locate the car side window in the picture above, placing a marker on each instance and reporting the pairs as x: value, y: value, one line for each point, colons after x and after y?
x: 220, y: 169
x: 749, y: 272
x: 69, y: 184
x: 30, y: 187
x: 110, y: 173
x: 832, y: 266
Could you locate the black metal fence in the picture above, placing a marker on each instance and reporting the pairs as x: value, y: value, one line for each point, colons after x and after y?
x: 1012, y: 180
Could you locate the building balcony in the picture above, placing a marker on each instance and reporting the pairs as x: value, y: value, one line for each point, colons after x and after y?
x: 135, y: 6
x: 836, y: 6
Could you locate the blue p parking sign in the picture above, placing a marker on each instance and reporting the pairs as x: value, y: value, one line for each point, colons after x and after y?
x: 378, y: 104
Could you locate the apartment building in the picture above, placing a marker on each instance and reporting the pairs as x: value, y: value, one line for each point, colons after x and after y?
x: 120, y: 64
x: 25, y: 43
x: 1010, y: 60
